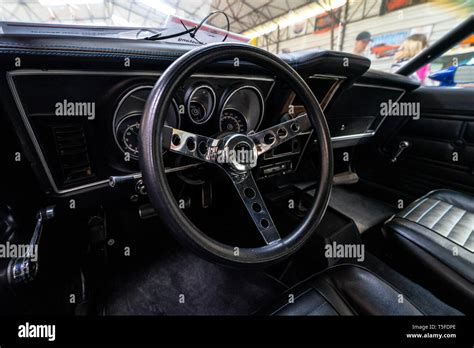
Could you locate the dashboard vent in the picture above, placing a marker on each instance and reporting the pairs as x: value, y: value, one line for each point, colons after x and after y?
x: 71, y: 145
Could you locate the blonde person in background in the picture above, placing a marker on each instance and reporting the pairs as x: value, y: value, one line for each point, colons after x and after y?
x: 413, y: 45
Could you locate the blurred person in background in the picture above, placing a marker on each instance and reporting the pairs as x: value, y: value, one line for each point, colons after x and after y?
x: 362, y: 43
x: 413, y: 45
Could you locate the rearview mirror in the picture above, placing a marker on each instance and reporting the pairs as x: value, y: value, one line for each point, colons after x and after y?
x: 464, y: 74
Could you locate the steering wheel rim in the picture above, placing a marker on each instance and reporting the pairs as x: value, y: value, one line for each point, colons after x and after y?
x: 153, y: 133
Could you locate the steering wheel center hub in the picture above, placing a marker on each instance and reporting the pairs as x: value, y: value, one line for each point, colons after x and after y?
x: 239, y: 153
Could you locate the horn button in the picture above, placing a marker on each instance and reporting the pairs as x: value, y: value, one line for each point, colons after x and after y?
x: 239, y: 153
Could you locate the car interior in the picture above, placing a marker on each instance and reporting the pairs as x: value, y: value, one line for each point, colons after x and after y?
x: 112, y: 167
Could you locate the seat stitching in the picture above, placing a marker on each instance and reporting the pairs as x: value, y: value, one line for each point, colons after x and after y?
x: 452, y: 228
x: 447, y: 236
x: 467, y: 238
x: 442, y: 216
x: 427, y: 211
x: 451, y: 240
x: 416, y: 206
x: 458, y: 206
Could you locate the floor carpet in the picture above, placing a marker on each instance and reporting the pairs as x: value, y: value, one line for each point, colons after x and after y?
x: 181, y: 283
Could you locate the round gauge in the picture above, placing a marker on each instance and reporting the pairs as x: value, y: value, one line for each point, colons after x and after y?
x: 233, y: 121
x: 201, y: 104
x: 130, y: 137
x: 128, y: 116
x: 127, y: 133
x: 248, y: 103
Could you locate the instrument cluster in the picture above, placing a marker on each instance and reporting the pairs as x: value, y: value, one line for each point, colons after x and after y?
x: 199, y: 108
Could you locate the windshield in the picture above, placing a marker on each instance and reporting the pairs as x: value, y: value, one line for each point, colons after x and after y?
x: 388, y: 32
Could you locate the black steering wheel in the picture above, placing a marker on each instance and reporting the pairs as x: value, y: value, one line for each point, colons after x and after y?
x: 155, y: 136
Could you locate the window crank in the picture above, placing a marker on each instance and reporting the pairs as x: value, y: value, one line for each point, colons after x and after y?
x: 401, y: 147
x: 23, y: 269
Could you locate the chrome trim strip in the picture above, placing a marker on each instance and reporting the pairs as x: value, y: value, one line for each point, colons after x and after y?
x: 332, y: 90
x: 377, y: 86
x: 338, y: 80
x: 330, y: 94
x: 324, y: 76
x: 352, y: 136
x: 29, y: 129
x: 324, y: 103
x: 30, y: 132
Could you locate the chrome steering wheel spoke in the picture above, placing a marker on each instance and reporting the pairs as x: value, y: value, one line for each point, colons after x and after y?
x: 270, y: 138
x: 253, y: 201
x: 191, y: 145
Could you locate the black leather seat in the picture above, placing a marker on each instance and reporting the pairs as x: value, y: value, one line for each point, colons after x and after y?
x: 344, y: 290
x: 433, y: 240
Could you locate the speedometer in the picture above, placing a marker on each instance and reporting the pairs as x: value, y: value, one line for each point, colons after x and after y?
x: 233, y: 121
x: 243, y: 104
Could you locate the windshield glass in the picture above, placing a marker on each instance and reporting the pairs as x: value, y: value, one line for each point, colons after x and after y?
x: 388, y: 32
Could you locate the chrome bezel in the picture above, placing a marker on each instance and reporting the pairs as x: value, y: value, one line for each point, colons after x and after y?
x: 190, y: 98
x: 262, y: 103
x: 116, y: 124
x: 119, y: 144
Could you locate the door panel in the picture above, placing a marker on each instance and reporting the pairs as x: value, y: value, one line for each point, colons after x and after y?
x: 441, y: 151
x: 435, y: 140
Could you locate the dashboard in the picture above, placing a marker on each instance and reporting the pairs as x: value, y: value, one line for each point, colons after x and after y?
x: 82, y: 150
x: 76, y: 152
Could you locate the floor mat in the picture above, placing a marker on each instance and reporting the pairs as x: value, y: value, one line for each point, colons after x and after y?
x: 181, y: 283
x: 366, y: 212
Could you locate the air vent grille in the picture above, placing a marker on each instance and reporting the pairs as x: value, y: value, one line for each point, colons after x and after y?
x: 71, y: 145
